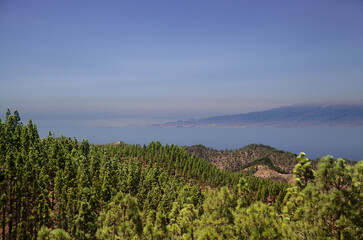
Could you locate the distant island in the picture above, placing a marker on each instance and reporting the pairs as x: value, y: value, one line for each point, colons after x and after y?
x: 301, y: 115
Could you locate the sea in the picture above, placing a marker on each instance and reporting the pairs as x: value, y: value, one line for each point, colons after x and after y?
x: 344, y: 142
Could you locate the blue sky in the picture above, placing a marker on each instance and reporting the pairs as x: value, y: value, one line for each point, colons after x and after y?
x: 110, y: 63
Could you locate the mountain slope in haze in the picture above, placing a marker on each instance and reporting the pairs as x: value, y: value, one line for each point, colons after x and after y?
x: 303, y: 115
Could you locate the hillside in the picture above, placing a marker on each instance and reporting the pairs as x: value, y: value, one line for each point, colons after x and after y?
x: 303, y: 115
x: 277, y: 164
x: 256, y: 159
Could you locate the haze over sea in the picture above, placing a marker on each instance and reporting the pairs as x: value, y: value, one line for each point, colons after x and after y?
x: 342, y: 142
x: 74, y: 67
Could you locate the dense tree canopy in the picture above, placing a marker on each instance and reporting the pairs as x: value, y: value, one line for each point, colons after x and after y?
x: 60, y: 188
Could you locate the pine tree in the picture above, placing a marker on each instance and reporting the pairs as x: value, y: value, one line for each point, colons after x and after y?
x: 85, y: 223
x: 173, y: 228
x: 217, y: 220
x: 8, y: 113
x: 258, y: 221
x: 59, y: 234
x: 187, y: 221
x: 43, y: 233
x: 244, y: 193
x: 121, y: 220
x: 303, y: 172
x: 160, y: 227
x: 328, y: 207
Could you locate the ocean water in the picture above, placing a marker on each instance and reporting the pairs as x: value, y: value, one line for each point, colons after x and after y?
x: 315, y: 142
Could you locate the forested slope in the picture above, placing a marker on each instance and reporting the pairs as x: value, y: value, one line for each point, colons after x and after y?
x: 250, y: 155
x: 255, y: 159
x: 59, y: 188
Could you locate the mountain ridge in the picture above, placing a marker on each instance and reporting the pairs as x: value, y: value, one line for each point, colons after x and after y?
x: 299, y: 115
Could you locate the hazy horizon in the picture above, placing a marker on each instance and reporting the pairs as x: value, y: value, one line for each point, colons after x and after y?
x: 92, y: 63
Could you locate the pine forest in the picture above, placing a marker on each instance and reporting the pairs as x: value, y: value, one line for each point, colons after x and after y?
x: 62, y: 188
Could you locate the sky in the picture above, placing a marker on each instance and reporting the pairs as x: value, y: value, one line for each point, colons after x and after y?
x: 114, y: 63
